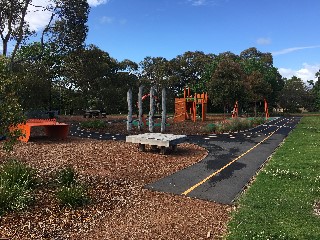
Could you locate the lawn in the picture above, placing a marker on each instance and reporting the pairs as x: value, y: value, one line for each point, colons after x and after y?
x: 284, y: 200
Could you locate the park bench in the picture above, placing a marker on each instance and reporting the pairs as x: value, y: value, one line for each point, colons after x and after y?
x: 94, y: 113
x: 52, y: 128
x: 156, y: 140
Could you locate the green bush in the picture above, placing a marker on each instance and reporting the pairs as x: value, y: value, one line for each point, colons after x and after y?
x: 211, y: 127
x: 70, y: 193
x: 14, y: 197
x: 94, y: 124
x: 234, y: 125
x: 258, y: 120
x: 66, y: 177
x: 16, y: 173
x: 16, y: 184
x: 72, y: 196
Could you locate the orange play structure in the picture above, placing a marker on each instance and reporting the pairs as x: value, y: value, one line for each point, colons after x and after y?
x: 235, y: 111
x: 266, y: 110
x: 52, y: 128
x: 186, y: 107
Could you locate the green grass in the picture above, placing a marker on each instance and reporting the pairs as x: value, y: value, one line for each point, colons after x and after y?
x: 280, y: 203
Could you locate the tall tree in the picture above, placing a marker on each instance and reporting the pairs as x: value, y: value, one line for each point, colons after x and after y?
x: 254, y: 61
x: 294, y: 94
x: 154, y: 72
x: 69, y: 31
x: 89, y: 72
x: 188, y: 70
x: 226, y: 83
x: 10, y: 110
x: 256, y: 88
x: 315, y: 92
x: 13, y: 26
x: 34, y: 74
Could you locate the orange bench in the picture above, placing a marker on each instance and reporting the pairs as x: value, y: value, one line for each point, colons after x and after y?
x: 52, y: 128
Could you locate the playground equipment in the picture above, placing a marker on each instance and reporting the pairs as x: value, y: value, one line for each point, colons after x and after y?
x: 266, y: 109
x: 156, y: 140
x: 141, y: 118
x: 52, y: 128
x: 156, y: 100
x: 235, y: 111
x: 186, y: 107
x: 148, y: 95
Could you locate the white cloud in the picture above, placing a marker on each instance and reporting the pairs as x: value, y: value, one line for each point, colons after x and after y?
x: 293, y: 49
x: 307, y: 72
x: 198, y: 2
x: 106, y: 20
x: 38, y: 18
x: 95, y: 3
x: 206, y: 2
x: 263, y: 41
x: 111, y: 20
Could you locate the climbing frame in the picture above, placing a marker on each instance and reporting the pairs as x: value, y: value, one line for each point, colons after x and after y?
x: 186, y: 107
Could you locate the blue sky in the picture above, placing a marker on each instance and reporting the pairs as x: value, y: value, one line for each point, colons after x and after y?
x: 134, y: 29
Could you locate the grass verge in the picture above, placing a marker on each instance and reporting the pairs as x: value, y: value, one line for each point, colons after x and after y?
x: 282, y: 202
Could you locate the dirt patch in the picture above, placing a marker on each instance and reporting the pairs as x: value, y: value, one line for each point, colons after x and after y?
x: 120, y: 208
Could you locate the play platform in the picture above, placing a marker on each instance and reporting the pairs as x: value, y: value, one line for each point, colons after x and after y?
x: 156, y: 140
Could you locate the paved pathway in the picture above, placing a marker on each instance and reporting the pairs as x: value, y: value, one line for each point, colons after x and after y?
x: 76, y: 131
x: 233, y: 159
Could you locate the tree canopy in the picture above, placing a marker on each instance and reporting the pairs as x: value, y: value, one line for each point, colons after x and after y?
x: 30, y: 70
x: 294, y: 95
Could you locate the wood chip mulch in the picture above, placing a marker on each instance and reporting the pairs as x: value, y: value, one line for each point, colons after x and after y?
x: 114, y: 174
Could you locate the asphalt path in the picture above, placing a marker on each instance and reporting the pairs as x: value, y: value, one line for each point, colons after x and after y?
x: 232, y: 160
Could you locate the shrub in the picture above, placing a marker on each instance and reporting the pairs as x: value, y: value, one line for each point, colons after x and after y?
x: 258, y: 120
x: 66, y: 177
x: 234, y: 125
x: 16, y: 183
x: 70, y: 193
x: 16, y: 173
x: 14, y: 197
x: 72, y: 196
x: 211, y: 127
x: 95, y: 124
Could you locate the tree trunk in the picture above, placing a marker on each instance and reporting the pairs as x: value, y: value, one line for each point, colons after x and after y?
x: 164, y: 110
x: 129, y: 118
x: 20, y: 31
x: 140, y: 107
x: 151, y: 113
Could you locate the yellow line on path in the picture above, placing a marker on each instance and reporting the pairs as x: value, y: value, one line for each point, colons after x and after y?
x: 225, y: 166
